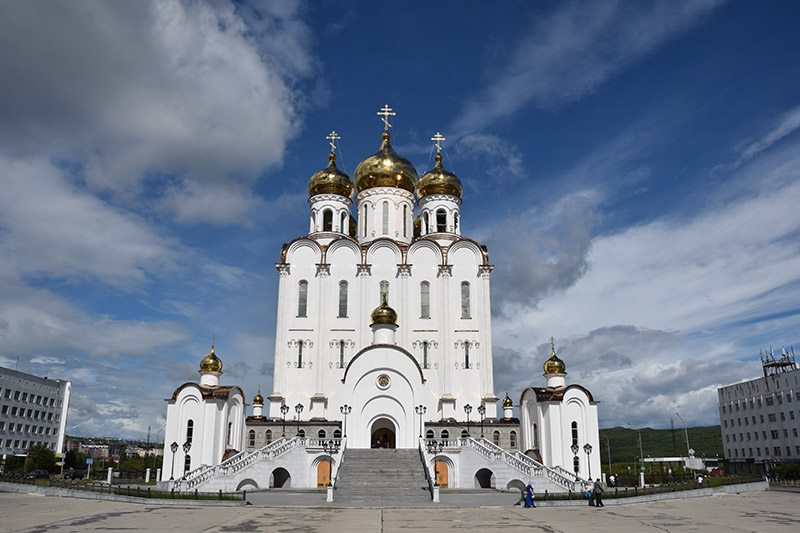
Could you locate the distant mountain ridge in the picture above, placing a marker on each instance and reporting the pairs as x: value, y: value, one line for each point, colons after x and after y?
x: 705, y: 441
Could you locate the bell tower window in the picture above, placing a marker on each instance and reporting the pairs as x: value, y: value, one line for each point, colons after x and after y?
x: 302, y: 299
x: 465, y: 306
x: 385, y: 218
x: 425, y: 300
x: 405, y: 220
x: 327, y: 220
x: 441, y: 221
x: 364, y: 226
x: 343, y: 299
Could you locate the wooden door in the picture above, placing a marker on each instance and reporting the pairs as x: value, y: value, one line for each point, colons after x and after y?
x: 441, y: 474
x: 323, y: 474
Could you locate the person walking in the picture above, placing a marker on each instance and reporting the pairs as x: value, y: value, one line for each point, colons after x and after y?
x: 599, y: 488
x: 590, y: 492
x: 529, y: 495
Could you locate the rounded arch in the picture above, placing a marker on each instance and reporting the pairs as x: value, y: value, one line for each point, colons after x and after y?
x: 247, y: 484
x: 481, y: 255
x: 280, y: 478
x: 340, y: 243
x: 327, y: 219
x: 516, y: 484
x: 377, y: 346
x: 382, y: 244
x: 297, y: 244
x: 426, y: 244
x: 484, y: 479
x: 444, y: 471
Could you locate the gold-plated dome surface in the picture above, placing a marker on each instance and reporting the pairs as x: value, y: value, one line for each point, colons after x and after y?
x: 383, y: 314
x: 554, y: 365
x: 385, y: 168
x: 211, y: 363
x: 330, y: 180
x: 258, y: 399
x: 507, y: 401
x: 439, y: 181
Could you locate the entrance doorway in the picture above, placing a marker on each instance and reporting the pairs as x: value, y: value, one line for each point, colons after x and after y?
x: 441, y: 473
x: 383, y: 435
x: 323, y: 473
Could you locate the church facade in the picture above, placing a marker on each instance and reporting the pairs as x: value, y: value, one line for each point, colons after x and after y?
x: 383, y: 336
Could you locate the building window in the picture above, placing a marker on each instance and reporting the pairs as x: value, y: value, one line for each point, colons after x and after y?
x: 386, y: 218
x: 770, y: 401
x: 384, y: 291
x: 465, y: 300
x: 445, y: 434
x: 405, y: 220
x: 772, y: 417
x: 464, y: 434
x: 327, y: 220
x: 424, y: 354
x: 425, y: 300
x: 230, y: 433
x: 341, y: 354
x: 513, y: 439
x: 299, y: 354
x: 455, y: 221
x: 189, y: 431
x: 441, y: 221
x: 342, y: 299
x: 301, y: 433
x: 343, y: 223
x: 364, y: 217
x: 252, y: 438
x: 321, y: 434
x: 429, y: 434
x: 496, y: 438
x: 302, y: 299
x: 574, y: 433
x: 337, y: 433
x: 535, y: 437
x: 466, y: 354
x: 268, y: 436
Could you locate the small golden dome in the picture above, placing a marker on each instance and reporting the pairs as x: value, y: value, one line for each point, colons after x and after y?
x: 385, y: 168
x: 258, y: 400
x: 507, y: 401
x: 383, y: 314
x: 211, y: 363
x: 439, y: 181
x: 330, y: 180
x: 353, y: 227
x: 554, y: 365
x: 417, y: 227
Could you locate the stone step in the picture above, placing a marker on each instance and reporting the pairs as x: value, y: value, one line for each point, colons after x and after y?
x: 377, y: 476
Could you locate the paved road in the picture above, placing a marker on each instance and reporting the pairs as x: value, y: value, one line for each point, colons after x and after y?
x: 761, y: 512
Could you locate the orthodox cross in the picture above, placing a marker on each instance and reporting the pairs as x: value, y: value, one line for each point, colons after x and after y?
x: 553, y: 344
x: 437, y: 139
x: 213, y: 338
x: 333, y: 137
x: 387, y: 112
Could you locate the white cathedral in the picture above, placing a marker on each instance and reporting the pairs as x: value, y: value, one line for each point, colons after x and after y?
x: 383, y: 345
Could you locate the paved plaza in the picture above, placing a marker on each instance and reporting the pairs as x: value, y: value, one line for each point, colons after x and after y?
x: 761, y: 512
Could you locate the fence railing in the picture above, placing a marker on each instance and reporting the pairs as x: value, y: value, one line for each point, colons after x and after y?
x: 133, y: 492
x: 632, y: 492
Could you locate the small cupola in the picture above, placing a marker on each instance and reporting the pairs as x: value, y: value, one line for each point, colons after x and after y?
x: 210, y: 368
x: 384, y: 323
x: 555, y: 370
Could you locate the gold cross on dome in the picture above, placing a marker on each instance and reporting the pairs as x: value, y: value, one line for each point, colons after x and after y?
x: 387, y: 112
x: 333, y: 137
x: 553, y: 344
x: 437, y: 139
x: 213, y: 339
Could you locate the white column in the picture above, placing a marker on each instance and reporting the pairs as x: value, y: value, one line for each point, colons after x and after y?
x: 279, y: 380
x: 404, y: 312
x: 364, y: 309
x: 447, y: 361
x: 322, y: 349
x: 485, y: 317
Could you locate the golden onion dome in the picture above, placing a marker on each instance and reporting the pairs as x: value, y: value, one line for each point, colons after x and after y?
x: 330, y: 180
x: 211, y: 363
x: 383, y: 314
x: 554, y: 365
x: 417, y: 227
x: 353, y: 227
x: 385, y: 168
x: 439, y: 181
x: 507, y: 401
x: 258, y: 399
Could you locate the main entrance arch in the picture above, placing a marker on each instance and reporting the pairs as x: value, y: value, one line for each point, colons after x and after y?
x: 383, y: 434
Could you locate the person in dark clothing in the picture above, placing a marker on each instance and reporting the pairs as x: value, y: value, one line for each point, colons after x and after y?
x: 599, y: 488
x: 529, y: 496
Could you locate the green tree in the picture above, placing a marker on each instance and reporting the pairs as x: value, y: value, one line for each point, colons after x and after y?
x: 40, y: 458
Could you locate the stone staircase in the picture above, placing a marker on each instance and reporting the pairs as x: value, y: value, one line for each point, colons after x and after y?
x: 382, y: 478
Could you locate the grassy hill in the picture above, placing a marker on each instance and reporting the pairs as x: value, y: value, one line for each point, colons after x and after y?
x: 659, y: 443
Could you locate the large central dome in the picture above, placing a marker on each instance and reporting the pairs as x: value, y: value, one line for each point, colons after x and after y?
x: 385, y: 168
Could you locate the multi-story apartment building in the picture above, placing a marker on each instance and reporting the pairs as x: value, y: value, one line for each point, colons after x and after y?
x: 33, y: 411
x: 760, y: 418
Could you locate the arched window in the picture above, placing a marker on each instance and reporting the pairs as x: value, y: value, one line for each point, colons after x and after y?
x: 251, y: 437
x: 496, y: 438
x: 301, y: 433
x: 429, y: 434
x: 424, y: 354
x: 337, y: 433
x: 535, y: 437
x: 343, y: 223
x: 189, y: 431
x: 342, y: 299
x: 512, y: 437
x: 466, y: 354
x: 465, y: 300
x: 187, y: 463
x: 364, y: 217
x: 441, y: 221
x: 384, y: 291
x: 574, y: 433
x: 299, y: 354
x: 427, y: 227
x: 341, y: 354
x: 424, y: 300
x: 302, y: 299
x: 445, y: 434
x: 464, y: 434
x: 268, y: 436
x: 455, y: 222
x: 327, y: 220
x: 230, y: 433
x: 386, y: 218
x: 405, y: 220
x: 321, y: 434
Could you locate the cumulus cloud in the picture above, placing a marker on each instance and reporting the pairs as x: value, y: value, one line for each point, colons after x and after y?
x: 506, y: 160
x: 570, y: 52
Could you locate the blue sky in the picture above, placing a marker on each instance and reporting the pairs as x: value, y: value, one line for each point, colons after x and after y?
x: 632, y: 166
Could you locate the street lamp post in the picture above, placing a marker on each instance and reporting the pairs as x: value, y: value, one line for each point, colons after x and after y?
x: 608, y: 447
x: 284, y: 410
x: 421, y: 410
x: 345, y: 410
x: 174, y: 448
x: 482, y: 412
x: 468, y: 410
x: 298, y: 409
x: 575, y: 464
x: 186, y: 447
x: 641, y: 454
x: 435, y: 448
x: 686, y: 432
x: 588, y: 449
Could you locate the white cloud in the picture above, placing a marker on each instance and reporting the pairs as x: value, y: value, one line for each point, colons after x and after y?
x: 569, y: 53
x: 786, y: 124
x: 486, y: 146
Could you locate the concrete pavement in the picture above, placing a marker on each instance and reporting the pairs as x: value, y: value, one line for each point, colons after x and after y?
x: 762, y: 512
